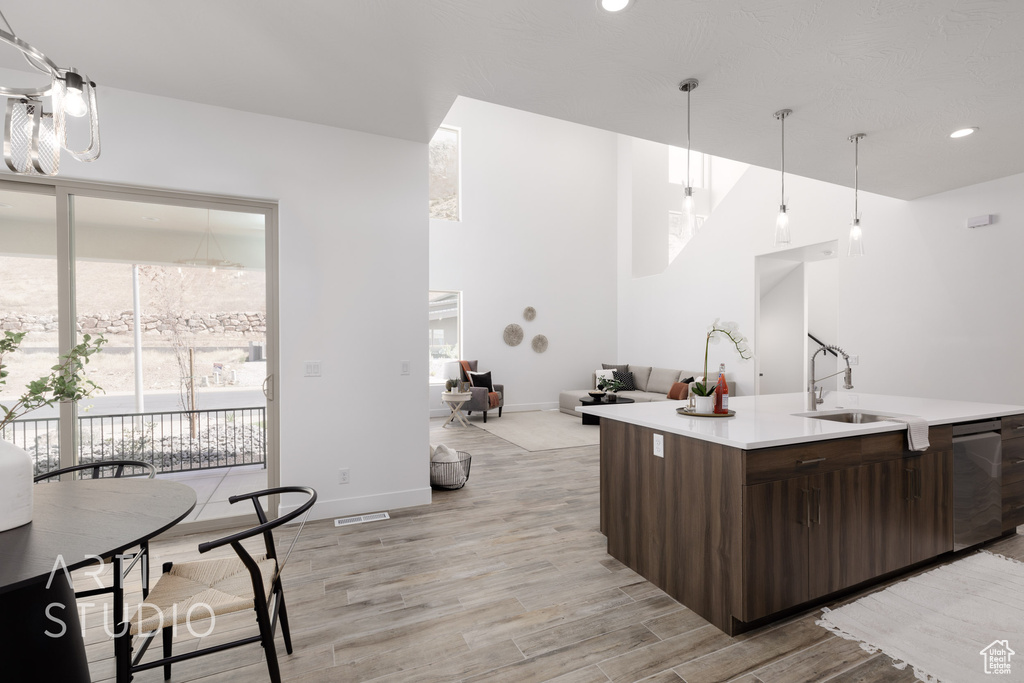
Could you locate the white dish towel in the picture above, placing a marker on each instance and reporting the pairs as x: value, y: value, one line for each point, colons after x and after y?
x: 917, y: 432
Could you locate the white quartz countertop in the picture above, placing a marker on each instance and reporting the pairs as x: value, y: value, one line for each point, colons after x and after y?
x: 774, y: 420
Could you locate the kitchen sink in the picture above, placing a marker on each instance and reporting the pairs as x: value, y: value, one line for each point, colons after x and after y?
x: 849, y: 417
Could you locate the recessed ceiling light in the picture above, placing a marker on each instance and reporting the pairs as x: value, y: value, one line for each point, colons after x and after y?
x: 963, y: 132
x: 614, y: 5
x: 151, y: 219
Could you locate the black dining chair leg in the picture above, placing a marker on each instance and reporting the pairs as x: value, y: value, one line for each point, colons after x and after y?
x: 267, y: 639
x: 123, y: 654
x: 282, y: 614
x: 168, y: 635
x: 144, y: 567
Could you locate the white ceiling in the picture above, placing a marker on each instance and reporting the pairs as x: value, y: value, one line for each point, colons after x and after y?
x: 906, y: 72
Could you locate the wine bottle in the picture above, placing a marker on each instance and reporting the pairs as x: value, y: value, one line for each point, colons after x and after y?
x: 722, y: 392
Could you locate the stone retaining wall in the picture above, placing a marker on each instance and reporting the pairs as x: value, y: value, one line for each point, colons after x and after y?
x: 228, y: 324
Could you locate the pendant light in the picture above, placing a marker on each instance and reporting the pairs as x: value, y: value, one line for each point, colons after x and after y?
x: 782, y: 221
x: 688, y: 86
x: 856, y: 241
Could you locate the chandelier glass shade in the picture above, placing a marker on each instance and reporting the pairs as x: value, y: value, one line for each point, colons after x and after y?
x: 36, y: 119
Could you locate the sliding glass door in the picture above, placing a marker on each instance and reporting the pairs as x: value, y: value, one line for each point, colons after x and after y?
x: 178, y: 286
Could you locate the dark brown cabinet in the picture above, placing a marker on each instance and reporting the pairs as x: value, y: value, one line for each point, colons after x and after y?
x: 1013, y: 472
x: 738, y: 535
x: 802, y: 538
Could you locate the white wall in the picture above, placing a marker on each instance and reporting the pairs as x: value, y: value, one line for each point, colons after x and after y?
x: 537, y: 229
x: 821, y: 282
x: 932, y: 309
x: 353, y: 245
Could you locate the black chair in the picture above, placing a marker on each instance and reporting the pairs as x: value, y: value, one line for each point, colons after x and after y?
x: 232, y: 584
x: 136, y: 468
x: 119, y: 469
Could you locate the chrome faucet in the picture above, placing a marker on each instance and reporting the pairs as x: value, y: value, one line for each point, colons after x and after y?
x: 814, y: 399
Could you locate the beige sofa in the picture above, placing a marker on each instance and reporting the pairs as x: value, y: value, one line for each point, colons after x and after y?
x: 652, y: 384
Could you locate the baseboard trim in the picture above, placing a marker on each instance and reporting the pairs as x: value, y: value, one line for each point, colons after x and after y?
x: 513, y: 408
x: 360, y: 505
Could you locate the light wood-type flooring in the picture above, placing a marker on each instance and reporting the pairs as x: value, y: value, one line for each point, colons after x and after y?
x: 506, y: 579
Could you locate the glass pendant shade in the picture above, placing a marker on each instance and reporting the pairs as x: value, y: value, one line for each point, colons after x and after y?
x: 688, y: 205
x: 782, y: 237
x: 856, y: 239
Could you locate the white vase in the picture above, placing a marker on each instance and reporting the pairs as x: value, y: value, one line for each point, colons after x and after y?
x: 704, y: 404
x: 15, y: 486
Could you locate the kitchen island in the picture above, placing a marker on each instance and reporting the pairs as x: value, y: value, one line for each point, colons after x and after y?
x: 748, y: 518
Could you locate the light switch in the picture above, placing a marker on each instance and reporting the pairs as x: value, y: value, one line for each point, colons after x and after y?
x: 312, y: 368
x: 854, y: 360
x: 659, y: 445
x: 405, y: 367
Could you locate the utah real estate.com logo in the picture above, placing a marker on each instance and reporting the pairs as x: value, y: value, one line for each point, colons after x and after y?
x: 997, y: 657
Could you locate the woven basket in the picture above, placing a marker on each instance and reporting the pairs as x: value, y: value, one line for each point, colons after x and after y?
x: 450, y: 475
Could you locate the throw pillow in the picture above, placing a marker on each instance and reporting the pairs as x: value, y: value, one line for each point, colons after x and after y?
x: 641, y: 373
x: 610, y: 366
x: 626, y: 378
x: 662, y: 380
x: 481, y: 379
x: 688, y: 380
x: 679, y: 391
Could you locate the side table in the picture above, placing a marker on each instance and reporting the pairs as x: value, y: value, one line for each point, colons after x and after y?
x: 455, y: 400
x: 594, y: 419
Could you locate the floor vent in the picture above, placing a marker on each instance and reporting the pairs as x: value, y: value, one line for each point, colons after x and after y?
x: 375, y: 517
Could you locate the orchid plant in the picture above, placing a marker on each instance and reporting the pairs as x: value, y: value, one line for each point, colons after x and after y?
x: 716, y: 330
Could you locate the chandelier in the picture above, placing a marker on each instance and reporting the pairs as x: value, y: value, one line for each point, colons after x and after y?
x: 37, y: 120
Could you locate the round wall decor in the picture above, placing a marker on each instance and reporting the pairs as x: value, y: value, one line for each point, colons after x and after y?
x: 513, y: 334
x: 540, y: 343
x: 529, y: 313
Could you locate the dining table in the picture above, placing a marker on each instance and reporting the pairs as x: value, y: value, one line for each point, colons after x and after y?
x: 73, y: 523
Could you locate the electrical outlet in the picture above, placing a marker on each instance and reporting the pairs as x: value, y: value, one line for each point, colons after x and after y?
x: 854, y: 360
x: 343, y: 477
x: 659, y: 445
x: 312, y: 368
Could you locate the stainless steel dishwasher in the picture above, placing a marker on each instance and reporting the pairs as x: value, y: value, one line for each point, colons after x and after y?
x: 977, y: 492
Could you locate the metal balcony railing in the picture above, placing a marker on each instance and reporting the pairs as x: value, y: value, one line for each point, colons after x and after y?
x: 178, y: 441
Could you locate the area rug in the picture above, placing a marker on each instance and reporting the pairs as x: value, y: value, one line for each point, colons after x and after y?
x: 542, y: 430
x: 958, y: 623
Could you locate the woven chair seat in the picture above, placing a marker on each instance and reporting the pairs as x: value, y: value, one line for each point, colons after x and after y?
x: 223, y: 586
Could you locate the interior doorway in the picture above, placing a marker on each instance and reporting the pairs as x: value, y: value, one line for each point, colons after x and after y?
x: 796, y: 295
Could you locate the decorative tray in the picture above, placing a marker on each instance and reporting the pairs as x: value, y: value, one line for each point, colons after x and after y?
x: 685, y: 410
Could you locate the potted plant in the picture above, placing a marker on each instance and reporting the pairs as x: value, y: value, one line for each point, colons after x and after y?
x: 65, y: 382
x: 610, y: 384
x: 704, y: 390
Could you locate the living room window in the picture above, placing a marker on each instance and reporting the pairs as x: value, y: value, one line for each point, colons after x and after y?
x: 444, y: 332
x: 445, y: 174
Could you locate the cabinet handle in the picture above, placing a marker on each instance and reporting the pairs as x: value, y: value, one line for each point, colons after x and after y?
x: 1018, y: 461
x: 1017, y: 507
x: 920, y: 484
x: 812, y: 460
x: 817, y: 497
x: 910, y: 483
x: 1019, y: 427
x: 807, y: 508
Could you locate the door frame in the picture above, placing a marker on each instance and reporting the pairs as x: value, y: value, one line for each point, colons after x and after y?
x: 64, y: 189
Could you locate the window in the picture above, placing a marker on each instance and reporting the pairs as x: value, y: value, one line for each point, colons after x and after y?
x: 444, y: 332
x: 445, y: 180
x: 677, y: 167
